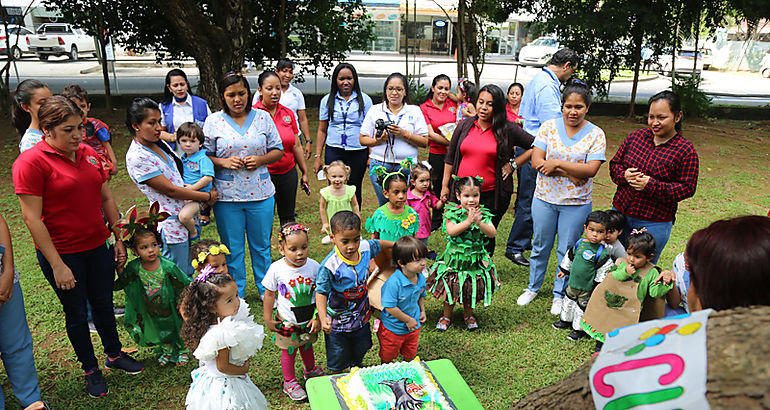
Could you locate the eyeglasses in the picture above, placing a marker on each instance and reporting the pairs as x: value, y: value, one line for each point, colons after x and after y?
x: 396, y: 89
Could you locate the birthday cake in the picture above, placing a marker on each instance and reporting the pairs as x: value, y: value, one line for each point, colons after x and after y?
x: 403, y: 385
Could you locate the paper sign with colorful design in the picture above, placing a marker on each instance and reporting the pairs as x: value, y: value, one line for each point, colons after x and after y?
x: 659, y: 364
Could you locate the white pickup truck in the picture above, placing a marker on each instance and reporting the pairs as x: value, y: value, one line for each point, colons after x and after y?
x: 59, y: 39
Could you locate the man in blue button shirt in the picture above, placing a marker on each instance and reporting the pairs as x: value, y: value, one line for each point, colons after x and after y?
x: 541, y: 102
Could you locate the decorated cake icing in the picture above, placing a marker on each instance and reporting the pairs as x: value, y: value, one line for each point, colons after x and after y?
x: 402, y: 385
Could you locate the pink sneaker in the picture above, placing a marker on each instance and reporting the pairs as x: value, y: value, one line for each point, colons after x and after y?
x: 314, y: 372
x: 294, y: 390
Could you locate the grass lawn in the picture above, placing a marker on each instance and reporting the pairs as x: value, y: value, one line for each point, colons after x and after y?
x: 516, y: 349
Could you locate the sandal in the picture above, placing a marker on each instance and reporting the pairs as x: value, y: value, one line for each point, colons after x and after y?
x: 183, y: 358
x: 443, y: 324
x: 204, y: 220
x: 164, y: 359
x: 470, y: 323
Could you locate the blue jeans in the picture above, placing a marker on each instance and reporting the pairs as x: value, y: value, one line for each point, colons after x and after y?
x: 389, y: 167
x: 16, y: 348
x: 179, y: 253
x: 346, y: 349
x: 659, y: 230
x: 520, y: 237
x: 550, y: 220
x: 94, y: 272
x: 238, y: 221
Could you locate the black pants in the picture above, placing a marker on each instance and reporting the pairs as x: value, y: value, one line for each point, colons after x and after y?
x: 94, y: 273
x: 356, y: 160
x: 286, y: 194
x: 488, y: 200
x: 436, y: 162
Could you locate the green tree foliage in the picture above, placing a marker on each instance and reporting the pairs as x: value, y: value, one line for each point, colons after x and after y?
x: 220, y: 34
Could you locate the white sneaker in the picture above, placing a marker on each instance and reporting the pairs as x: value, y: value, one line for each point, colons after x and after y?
x: 526, y: 297
x: 326, y: 240
x: 556, y: 306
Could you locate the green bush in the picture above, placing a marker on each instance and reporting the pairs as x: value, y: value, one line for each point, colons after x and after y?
x: 695, y: 103
x: 417, y: 91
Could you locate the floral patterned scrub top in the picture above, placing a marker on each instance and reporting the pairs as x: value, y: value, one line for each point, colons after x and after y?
x: 143, y: 164
x: 588, y: 144
x: 225, y: 138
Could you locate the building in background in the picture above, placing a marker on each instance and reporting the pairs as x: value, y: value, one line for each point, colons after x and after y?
x: 429, y: 28
x: 29, y: 13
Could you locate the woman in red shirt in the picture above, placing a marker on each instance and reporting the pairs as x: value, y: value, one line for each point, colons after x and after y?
x: 483, y: 145
x: 515, y: 91
x: 438, y: 110
x: 64, y: 200
x: 284, y: 172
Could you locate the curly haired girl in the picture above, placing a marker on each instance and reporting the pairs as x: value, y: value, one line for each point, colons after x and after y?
x: 223, y: 336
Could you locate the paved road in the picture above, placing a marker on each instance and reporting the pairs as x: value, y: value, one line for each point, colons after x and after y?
x: 725, y: 88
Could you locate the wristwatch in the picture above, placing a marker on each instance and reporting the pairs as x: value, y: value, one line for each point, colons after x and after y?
x: 512, y: 162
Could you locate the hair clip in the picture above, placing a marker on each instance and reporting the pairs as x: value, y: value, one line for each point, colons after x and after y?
x: 148, y: 219
x: 580, y: 82
x: 426, y: 164
x: 455, y: 177
x: 479, y: 179
x: 407, y: 163
x: 638, y: 231
x: 288, y: 230
x: 213, y: 250
x: 204, y: 274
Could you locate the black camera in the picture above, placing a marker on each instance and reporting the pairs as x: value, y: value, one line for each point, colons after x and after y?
x: 381, y: 126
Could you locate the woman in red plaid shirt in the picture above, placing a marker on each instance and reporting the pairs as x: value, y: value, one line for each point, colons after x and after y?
x: 654, y: 169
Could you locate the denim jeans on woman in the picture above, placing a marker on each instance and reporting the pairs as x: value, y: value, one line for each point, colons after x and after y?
x: 389, y: 167
x: 659, y: 230
x: 548, y: 221
x: 94, y: 272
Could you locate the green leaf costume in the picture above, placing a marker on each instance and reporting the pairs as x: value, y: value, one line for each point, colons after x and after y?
x: 391, y: 227
x: 464, y: 272
x: 153, y: 321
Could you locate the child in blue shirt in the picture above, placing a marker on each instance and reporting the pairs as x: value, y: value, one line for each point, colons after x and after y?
x: 341, y: 292
x: 198, y: 173
x: 403, y: 301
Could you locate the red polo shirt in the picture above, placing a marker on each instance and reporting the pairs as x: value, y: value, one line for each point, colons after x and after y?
x: 436, y: 117
x: 71, y: 192
x: 479, y: 154
x: 512, y: 116
x: 287, y: 128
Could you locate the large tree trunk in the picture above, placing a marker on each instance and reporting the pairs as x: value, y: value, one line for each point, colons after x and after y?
x: 216, y: 41
x: 738, y: 371
x: 637, y: 53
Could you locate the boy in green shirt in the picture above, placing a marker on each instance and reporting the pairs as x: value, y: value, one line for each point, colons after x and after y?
x: 586, y: 263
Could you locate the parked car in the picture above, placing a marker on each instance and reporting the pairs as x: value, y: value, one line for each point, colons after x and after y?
x: 59, y: 39
x: 708, y: 57
x: 539, y: 51
x: 17, y: 38
x: 764, y: 66
x: 683, y: 64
